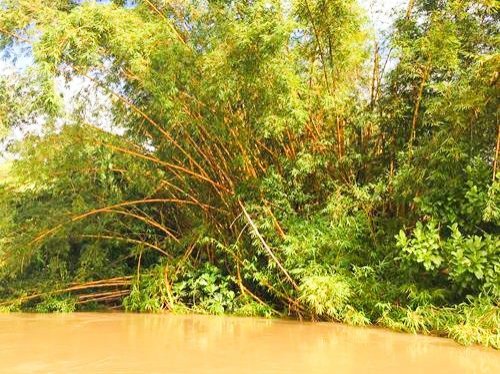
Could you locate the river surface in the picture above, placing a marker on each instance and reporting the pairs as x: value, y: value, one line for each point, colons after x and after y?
x: 131, y: 343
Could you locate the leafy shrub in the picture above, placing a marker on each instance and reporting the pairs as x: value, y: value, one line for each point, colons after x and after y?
x: 472, y: 262
x: 59, y: 304
x: 206, y: 289
x: 326, y: 295
x: 148, y: 293
x: 424, y: 247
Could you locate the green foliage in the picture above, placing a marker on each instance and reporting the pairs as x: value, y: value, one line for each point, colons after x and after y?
x: 327, y: 296
x: 474, y: 261
x: 424, y: 246
x: 250, y: 157
x: 148, y: 293
x: 474, y: 322
x: 59, y: 304
x: 206, y: 289
x: 251, y: 308
x: 4, y: 172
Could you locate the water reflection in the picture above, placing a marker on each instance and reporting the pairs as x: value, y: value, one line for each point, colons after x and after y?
x: 130, y: 343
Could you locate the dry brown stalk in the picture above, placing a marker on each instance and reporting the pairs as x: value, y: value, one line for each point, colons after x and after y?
x: 99, y: 294
x: 277, y: 225
x: 128, y: 240
x: 167, y: 165
x: 111, y: 296
x: 103, y: 210
x: 145, y: 220
x: 136, y: 109
x: 103, y: 283
x: 106, y: 281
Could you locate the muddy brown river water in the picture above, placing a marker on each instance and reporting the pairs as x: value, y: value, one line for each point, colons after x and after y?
x: 132, y: 343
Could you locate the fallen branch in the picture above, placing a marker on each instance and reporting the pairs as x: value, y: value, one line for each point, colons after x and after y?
x: 266, y: 247
x: 112, y: 282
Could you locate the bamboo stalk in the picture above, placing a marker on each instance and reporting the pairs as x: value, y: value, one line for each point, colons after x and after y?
x: 97, y: 295
x: 112, y: 282
x: 169, y: 23
x: 129, y: 240
x: 266, y: 247
x: 15, y: 36
x: 416, y: 110
x: 136, y: 109
x: 245, y: 290
x: 168, y: 287
x: 318, y: 42
x: 145, y: 220
x: 113, y: 296
x: 277, y: 225
x: 375, y: 76
x: 409, y: 8
x: 168, y: 165
x: 495, y: 161
x: 105, y: 209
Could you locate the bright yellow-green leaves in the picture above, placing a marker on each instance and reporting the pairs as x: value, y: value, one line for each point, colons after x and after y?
x: 194, y: 112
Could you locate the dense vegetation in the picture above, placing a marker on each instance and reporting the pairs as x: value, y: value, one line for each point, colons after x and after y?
x: 255, y: 157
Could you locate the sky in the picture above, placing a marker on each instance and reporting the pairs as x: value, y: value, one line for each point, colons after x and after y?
x: 380, y: 13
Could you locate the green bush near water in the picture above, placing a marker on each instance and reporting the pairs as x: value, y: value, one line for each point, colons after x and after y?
x: 255, y: 158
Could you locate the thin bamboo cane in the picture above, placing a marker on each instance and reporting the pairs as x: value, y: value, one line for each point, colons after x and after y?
x: 168, y: 165
x: 129, y: 240
x: 105, y: 209
x: 497, y: 149
x: 169, y: 23
x: 114, y: 296
x: 266, y: 247
x: 113, y: 282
